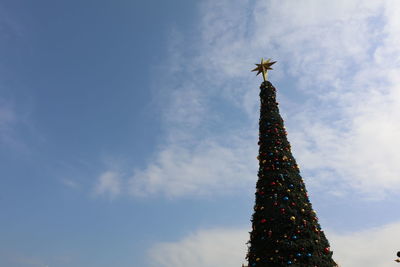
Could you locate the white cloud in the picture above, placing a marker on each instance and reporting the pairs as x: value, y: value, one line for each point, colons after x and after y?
x: 7, y: 121
x: 13, y: 123
x: 370, y: 247
x: 226, y: 247
x: 360, y: 151
x: 70, y: 183
x: 359, y: 144
x: 204, y: 169
x: 216, y: 247
x: 108, y: 183
x: 343, y: 58
x: 7, y: 115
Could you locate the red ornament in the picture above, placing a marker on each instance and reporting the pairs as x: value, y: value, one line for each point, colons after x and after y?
x: 327, y: 250
x: 263, y: 220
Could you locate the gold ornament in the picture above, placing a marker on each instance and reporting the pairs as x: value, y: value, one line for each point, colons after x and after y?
x: 264, y: 67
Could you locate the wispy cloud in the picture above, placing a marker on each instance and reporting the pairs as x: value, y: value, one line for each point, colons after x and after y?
x: 227, y: 247
x: 369, y: 247
x: 8, y: 123
x: 204, y: 169
x: 70, y: 183
x: 342, y: 59
x: 215, y: 247
x: 21, y: 260
x: 108, y: 184
x: 7, y: 117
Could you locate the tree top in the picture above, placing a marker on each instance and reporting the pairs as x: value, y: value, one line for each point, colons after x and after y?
x: 263, y: 67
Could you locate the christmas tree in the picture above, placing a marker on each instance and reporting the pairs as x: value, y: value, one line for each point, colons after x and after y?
x: 285, y: 228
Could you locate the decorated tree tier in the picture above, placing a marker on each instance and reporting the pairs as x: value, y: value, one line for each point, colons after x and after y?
x: 285, y: 228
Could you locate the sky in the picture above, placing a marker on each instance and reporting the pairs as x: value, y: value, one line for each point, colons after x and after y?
x: 128, y: 129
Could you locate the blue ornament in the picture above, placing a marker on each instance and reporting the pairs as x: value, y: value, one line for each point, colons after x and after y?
x: 289, y: 262
x: 308, y: 254
x: 285, y: 198
x: 298, y: 255
x: 294, y: 237
x: 291, y: 185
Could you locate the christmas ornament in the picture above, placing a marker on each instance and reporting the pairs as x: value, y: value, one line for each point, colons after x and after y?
x: 264, y: 67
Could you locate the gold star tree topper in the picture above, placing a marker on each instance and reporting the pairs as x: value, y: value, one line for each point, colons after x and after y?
x: 264, y: 67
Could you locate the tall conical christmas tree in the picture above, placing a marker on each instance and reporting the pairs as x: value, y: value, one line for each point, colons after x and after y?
x: 285, y: 230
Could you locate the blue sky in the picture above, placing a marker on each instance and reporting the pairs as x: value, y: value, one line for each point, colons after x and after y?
x: 128, y: 131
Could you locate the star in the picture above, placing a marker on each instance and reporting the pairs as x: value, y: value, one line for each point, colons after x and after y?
x: 264, y: 67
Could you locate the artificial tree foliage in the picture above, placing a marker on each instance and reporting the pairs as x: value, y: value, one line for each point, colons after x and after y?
x: 285, y: 228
